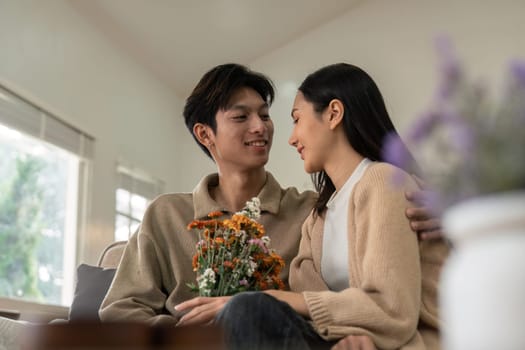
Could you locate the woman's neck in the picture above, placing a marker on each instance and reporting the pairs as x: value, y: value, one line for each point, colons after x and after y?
x: 343, y: 163
x: 236, y: 188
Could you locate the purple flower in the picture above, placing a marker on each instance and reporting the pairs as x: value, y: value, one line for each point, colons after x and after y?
x: 243, y: 282
x: 463, y: 137
x: 394, y: 150
x: 467, y: 143
x: 422, y: 127
x: 450, y: 67
x: 259, y: 243
x: 517, y: 69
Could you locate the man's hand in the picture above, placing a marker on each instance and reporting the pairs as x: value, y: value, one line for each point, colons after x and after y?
x: 355, y: 342
x: 422, y: 219
x: 200, y: 310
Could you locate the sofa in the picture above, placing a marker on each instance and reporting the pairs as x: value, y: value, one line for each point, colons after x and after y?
x: 93, y: 283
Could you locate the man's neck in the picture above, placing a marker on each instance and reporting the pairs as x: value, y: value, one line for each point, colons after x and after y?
x: 236, y: 188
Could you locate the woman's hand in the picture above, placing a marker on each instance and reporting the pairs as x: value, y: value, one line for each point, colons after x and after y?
x: 422, y: 219
x: 200, y: 310
x: 295, y: 300
x: 355, y: 342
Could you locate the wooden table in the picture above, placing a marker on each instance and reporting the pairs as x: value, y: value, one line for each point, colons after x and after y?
x: 8, y: 313
x: 133, y: 336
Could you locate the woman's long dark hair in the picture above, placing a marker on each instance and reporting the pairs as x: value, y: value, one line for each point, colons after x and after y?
x: 366, y: 121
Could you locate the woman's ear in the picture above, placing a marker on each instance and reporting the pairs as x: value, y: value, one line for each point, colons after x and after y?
x: 203, y: 134
x: 336, y: 112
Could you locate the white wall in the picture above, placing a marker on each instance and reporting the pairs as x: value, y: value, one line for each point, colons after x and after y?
x: 50, y: 55
x: 393, y: 42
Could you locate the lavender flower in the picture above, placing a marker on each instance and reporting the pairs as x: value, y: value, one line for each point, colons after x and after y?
x: 259, y: 243
x: 467, y: 144
x: 450, y: 68
x: 395, y: 152
x: 517, y: 69
x: 243, y: 282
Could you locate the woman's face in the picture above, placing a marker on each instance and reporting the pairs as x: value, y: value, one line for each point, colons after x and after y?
x: 311, y: 134
x: 244, y: 132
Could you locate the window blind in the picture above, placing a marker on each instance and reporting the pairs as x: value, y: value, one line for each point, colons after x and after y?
x: 20, y: 114
x: 135, y: 181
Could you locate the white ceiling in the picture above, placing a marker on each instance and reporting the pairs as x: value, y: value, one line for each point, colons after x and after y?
x: 179, y: 40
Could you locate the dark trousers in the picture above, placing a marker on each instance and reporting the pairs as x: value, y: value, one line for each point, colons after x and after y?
x: 255, y: 320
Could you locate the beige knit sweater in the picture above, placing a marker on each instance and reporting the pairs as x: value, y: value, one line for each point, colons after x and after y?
x: 393, y: 277
x: 156, y: 265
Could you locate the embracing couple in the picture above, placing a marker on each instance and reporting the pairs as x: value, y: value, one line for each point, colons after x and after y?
x: 358, y: 275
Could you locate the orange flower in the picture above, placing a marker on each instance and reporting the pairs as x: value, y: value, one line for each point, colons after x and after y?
x: 257, y: 275
x: 278, y: 283
x: 231, y: 239
x: 268, y: 260
x: 278, y: 259
x: 231, y: 224
x: 195, y: 262
x: 215, y: 214
x: 259, y: 257
x: 194, y: 224
x: 263, y: 285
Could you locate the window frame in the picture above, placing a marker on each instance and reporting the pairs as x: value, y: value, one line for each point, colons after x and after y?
x: 136, y: 182
x: 21, y: 114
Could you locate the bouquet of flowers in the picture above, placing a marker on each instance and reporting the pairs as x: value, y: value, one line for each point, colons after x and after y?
x: 469, y: 143
x: 233, y: 255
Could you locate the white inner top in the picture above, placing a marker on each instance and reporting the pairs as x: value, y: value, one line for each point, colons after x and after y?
x: 334, y: 259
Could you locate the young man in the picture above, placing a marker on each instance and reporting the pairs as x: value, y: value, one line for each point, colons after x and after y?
x: 228, y: 115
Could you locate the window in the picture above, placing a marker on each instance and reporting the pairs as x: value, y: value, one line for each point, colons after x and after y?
x: 43, y: 166
x: 135, y: 190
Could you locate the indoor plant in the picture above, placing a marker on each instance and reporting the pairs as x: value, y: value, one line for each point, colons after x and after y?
x: 470, y: 142
x: 470, y: 149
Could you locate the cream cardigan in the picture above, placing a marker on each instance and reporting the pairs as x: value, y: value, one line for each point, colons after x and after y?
x: 393, y: 277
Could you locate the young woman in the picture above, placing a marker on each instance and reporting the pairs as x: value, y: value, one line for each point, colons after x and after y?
x: 359, y: 271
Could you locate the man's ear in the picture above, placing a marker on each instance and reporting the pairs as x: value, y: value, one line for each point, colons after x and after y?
x: 203, y: 134
x: 336, y: 112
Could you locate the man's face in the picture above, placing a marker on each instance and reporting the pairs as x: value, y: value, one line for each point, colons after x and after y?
x: 244, y: 132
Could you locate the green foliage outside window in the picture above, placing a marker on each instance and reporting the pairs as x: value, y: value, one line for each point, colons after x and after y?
x: 20, y: 229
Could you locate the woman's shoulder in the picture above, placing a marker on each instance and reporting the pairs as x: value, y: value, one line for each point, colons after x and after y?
x: 380, y: 176
x: 385, y: 169
x: 386, y: 172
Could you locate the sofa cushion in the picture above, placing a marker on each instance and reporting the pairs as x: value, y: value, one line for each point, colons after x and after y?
x: 92, y: 285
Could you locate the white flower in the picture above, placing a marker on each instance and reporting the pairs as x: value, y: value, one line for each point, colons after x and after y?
x: 266, y: 240
x: 242, y: 236
x: 252, y: 209
x: 252, y: 266
x: 206, y: 281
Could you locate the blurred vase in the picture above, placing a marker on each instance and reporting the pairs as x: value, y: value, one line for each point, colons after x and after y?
x: 482, y: 290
